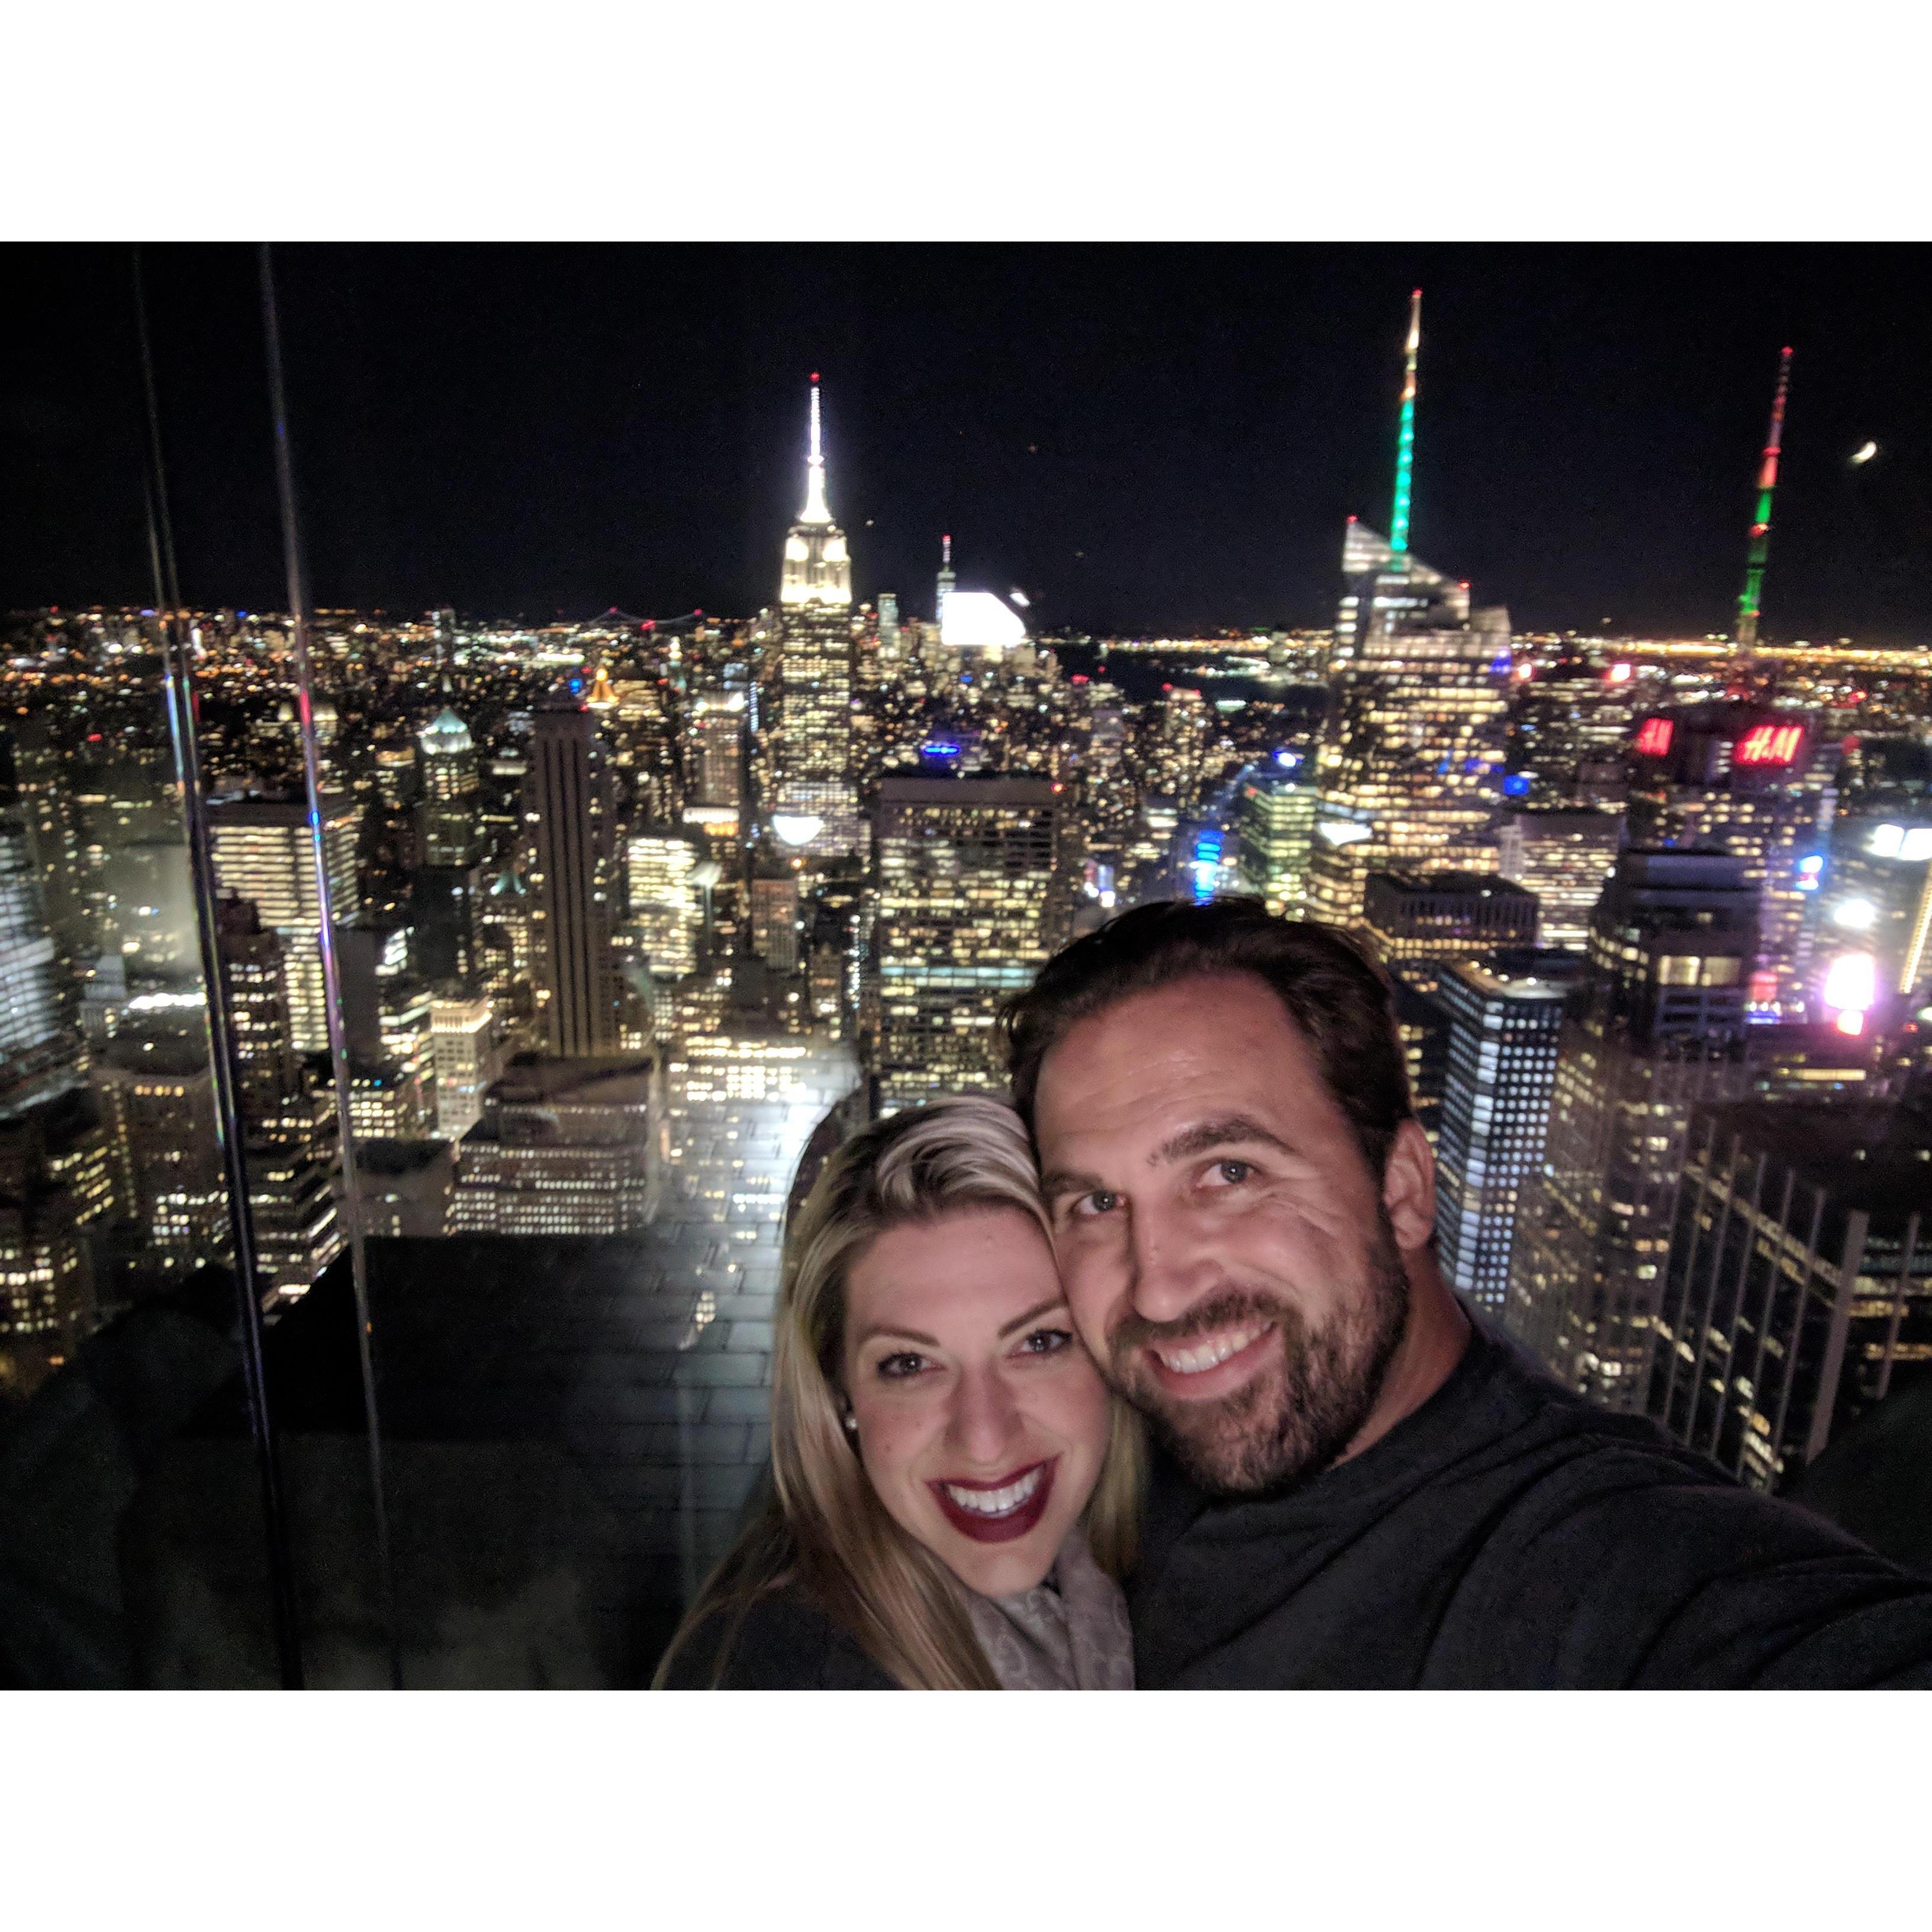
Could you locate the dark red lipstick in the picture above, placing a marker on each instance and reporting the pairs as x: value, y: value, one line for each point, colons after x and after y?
x: 1015, y: 1523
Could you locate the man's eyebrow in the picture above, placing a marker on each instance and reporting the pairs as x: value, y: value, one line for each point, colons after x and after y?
x: 1198, y: 1139
x: 1052, y: 1302
x: 1069, y: 1181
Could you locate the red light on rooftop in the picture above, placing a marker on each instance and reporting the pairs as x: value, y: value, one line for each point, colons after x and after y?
x: 1653, y: 740
x: 1769, y: 745
x: 814, y: 375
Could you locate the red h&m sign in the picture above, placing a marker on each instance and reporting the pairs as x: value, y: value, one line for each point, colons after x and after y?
x: 1653, y: 740
x: 1769, y: 745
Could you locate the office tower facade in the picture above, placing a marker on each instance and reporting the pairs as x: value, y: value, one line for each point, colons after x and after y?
x: 1875, y: 897
x: 1420, y: 922
x: 944, y: 585
x: 1274, y: 828
x: 1570, y: 725
x: 463, y: 1037
x: 963, y: 916
x: 564, y: 1146
x: 34, y: 1042
x: 261, y: 852
x: 775, y: 922
x: 1741, y: 778
x: 665, y: 910
x: 642, y: 724
x: 1501, y: 1064
x: 1800, y: 1280
x: 715, y: 756
x: 451, y: 792
x: 814, y: 804
x: 1664, y: 1030
x: 159, y: 1108
x: 569, y: 870
x: 1563, y: 859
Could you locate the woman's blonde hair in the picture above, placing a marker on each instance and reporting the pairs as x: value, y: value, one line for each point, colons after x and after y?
x: 825, y: 1533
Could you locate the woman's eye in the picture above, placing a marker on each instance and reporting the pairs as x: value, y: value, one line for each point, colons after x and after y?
x: 897, y: 1368
x: 1046, y: 1342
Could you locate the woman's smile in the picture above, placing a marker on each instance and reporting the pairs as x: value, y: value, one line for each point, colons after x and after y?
x: 997, y: 1512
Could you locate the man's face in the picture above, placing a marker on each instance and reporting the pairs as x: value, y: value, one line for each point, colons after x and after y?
x: 1228, y: 1254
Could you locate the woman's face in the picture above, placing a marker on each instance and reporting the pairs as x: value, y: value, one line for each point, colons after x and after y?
x: 982, y: 1421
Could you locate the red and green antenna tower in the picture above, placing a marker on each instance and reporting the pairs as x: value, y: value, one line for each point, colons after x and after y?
x: 1760, y: 529
x: 1405, y: 440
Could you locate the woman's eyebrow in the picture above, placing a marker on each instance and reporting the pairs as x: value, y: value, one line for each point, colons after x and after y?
x: 875, y: 1329
x: 1046, y: 1307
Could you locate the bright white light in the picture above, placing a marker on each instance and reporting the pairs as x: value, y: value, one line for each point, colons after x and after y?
x: 1917, y: 843
x: 1855, y: 915
x: 1020, y: 598
x: 1884, y: 841
x: 1342, y: 831
x: 1851, y: 982
x: 797, y: 828
x: 976, y: 620
x: 1865, y: 455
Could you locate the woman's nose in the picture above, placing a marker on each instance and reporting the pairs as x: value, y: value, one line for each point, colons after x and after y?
x: 985, y: 1417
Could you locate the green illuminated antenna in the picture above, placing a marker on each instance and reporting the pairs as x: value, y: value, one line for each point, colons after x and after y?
x: 1405, y: 441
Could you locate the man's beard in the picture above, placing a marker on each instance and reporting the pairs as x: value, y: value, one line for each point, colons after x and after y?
x: 1279, y: 1426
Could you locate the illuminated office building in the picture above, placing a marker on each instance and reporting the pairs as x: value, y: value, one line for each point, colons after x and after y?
x: 775, y: 921
x: 1570, y: 723
x: 1738, y: 777
x: 1501, y: 1064
x: 33, y: 1042
x: 664, y: 909
x: 640, y: 724
x: 1274, y: 827
x: 1410, y: 766
x: 716, y: 751
x: 450, y: 793
x: 944, y: 587
x: 462, y: 1038
x: 1420, y: 922
x: 262, y: 852
x: 1874, y: 896
x: 1800, y: 1280
x: 963, y: 916
x: 1664, y: 1029
x: 155, y: 1095
x: 564, y: 1146
x: 1563, y: 858
x: 813, y: 804
x: 569, y: 867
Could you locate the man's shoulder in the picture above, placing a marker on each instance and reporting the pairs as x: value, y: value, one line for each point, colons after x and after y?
x: 781, y: 1642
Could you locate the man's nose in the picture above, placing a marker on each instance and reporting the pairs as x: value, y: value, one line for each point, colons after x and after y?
x: 985, y: 1419
x: 1171, y: 1270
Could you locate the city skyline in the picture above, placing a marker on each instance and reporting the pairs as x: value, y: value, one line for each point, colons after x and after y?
x: 1145, y: 440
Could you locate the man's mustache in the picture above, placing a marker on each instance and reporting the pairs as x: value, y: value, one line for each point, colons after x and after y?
x: 1226, y: 1308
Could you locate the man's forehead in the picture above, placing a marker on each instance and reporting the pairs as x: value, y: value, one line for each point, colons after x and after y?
x: 1220, y: 1036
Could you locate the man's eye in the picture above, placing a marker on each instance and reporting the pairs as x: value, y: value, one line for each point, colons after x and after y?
x: 1099, y: 1202
x: 1046, y: 1342
x: 1232, y: 1173
x: 899, y: 1367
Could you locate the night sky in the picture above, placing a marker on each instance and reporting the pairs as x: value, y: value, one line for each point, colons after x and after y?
x: 1147, y: 439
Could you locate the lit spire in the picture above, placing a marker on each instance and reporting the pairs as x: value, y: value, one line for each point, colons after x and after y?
x: 1405, y: 441
x: 1760, y: 529
x: 815, y: 511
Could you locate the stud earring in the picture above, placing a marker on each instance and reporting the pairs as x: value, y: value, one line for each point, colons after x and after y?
x: 851, y: 1423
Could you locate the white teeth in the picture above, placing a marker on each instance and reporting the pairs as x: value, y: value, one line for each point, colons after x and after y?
x: 1209, y: 1354
x: 997, y: 1502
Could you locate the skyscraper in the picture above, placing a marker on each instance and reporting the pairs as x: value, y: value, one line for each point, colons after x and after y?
x: 462, y: 1034
x: 1663, y: 1030
x: 1419, y: 922
x: 1274, y: 825
x: 943, y: 588
x: 1412, y: 751
x: 569, y: 853
x: 449, y: 792
x: 1752, y: 598
x: 964, y: 914
x: 33, y: 1042
x: 261, y: 852
x: 811, y: 749
x: 1503, y: 1029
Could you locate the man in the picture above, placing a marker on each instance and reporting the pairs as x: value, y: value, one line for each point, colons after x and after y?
x: 1361, y: 1485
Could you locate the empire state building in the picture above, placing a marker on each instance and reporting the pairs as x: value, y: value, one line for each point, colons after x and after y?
x: 815, y: 805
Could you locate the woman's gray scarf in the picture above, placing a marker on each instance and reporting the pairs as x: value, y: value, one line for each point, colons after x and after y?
x: 1070, y: 1633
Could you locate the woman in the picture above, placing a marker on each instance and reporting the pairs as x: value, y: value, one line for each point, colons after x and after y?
x: 955, y: 1491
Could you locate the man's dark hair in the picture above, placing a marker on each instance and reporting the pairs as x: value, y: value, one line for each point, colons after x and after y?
x: 1334, y: 992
